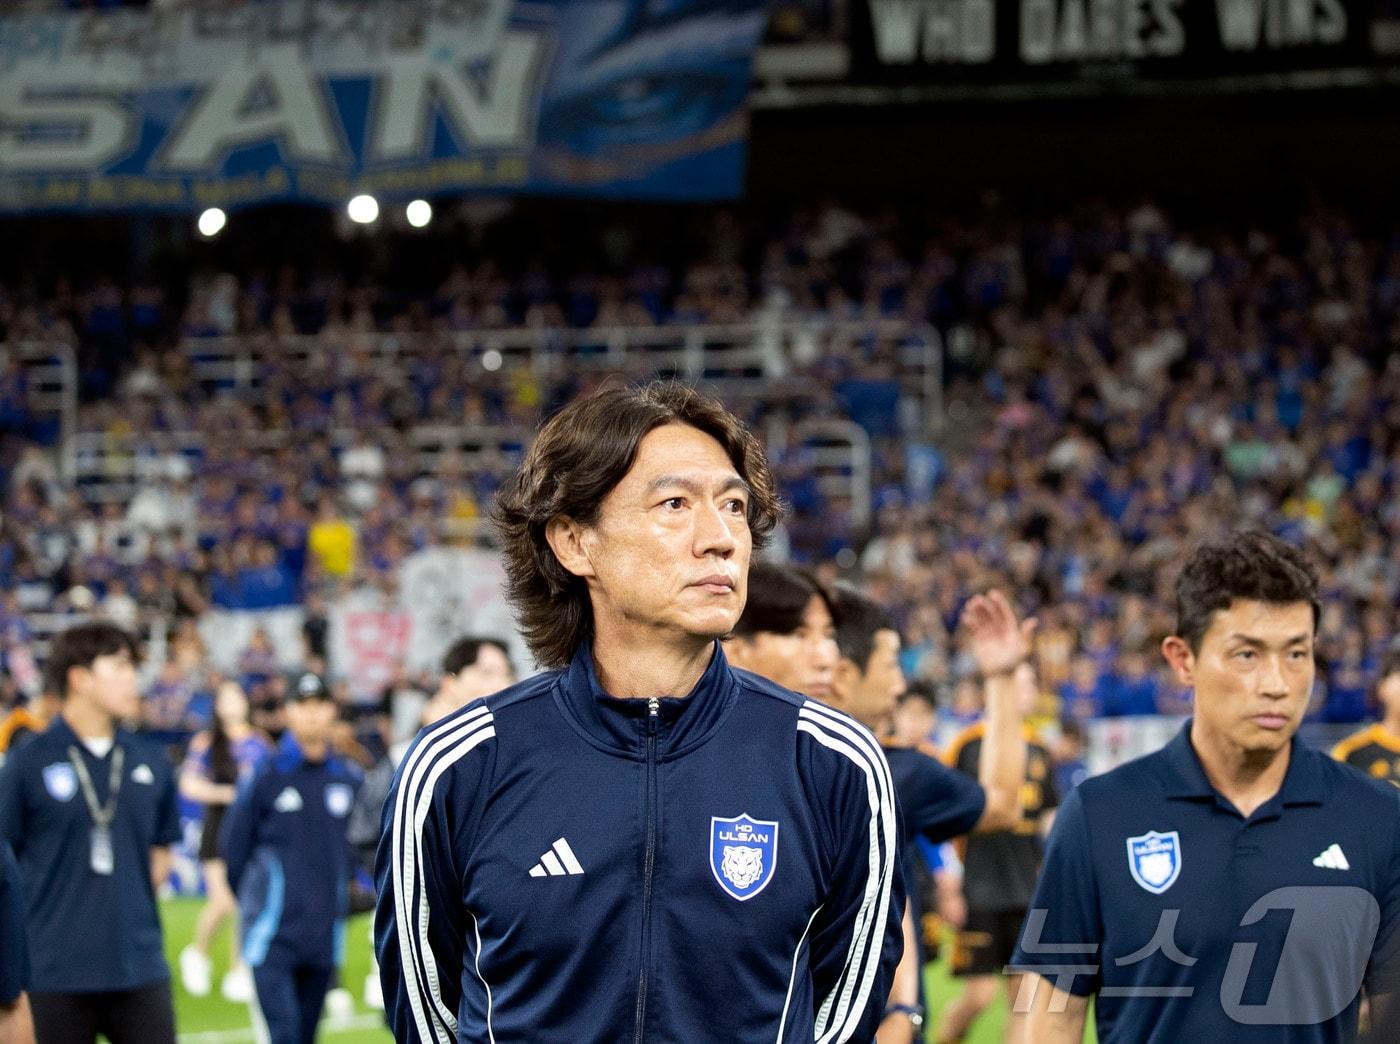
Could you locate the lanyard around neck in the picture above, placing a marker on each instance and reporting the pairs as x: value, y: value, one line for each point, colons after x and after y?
x: 103, y: 815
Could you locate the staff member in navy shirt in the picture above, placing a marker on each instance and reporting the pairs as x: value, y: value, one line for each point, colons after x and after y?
x: 285, y: 844
x: 787, y: 633
x: 1236, y: 885
x: 16, y: 1026
x: 90, y: 811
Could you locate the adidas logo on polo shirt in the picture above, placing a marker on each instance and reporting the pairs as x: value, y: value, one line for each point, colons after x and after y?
x: 1332, y: 859
x: 288, y: 801
x: 559, y: 861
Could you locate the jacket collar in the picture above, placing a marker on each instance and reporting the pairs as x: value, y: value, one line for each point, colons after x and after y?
x: 290, y: 755
x: 620, y: 726
x: 1185, y: 777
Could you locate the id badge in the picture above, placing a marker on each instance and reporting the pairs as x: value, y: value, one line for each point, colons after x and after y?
x: 103, y: 860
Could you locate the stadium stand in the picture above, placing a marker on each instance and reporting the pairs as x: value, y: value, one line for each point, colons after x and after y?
x: 1061, y: 404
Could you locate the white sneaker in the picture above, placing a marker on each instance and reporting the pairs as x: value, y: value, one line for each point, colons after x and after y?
x: 340, y: 1005
x: 195, y: 968
x: 237, y: 987
x: 374, y: 992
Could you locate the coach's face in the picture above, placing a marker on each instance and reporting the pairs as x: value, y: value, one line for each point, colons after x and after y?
x: 1253, y: 673
x: 669, y: 552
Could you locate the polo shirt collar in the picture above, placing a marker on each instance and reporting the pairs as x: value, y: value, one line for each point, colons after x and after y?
x: 63, y: 732
x: 1186, y: 778
x: 60, y: 730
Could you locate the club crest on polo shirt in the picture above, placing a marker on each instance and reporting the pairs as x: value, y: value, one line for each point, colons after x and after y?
x: 338, y: 799
x: 61, y: 781
x: 1154, y: 860
x: 743, y: 854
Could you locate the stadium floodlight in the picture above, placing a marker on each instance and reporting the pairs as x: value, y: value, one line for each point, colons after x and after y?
x: 212, y: 222
x: 363, y: 210
x: 419, y: 213
x: 491, y: 360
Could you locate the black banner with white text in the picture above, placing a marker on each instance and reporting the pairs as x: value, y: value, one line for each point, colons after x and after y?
x: 1018, y: 41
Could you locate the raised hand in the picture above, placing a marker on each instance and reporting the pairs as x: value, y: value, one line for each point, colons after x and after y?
x: 997, y: 640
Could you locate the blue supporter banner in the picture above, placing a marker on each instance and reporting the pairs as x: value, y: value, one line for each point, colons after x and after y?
x: 206, y: 105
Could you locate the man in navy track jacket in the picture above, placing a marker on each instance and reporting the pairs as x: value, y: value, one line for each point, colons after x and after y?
x: 285, y: 843
x: 643, y: 843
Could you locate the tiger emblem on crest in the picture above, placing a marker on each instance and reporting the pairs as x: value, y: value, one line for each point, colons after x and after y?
x: 742, y: 865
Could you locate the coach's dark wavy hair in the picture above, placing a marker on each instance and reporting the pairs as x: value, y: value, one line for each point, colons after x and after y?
x: 581, y: 453
x: 1248, y: 564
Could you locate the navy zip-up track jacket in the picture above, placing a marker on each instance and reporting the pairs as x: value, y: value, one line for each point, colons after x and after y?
x: 284, y: 843
x: 559, y: 865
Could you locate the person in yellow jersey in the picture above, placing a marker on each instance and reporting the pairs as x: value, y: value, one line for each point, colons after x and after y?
x: 331, y: 540
x: 1376, y: 750
x: 999, y: 874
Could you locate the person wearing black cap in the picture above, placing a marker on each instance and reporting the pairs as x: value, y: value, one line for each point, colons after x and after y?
x: 284, y: 843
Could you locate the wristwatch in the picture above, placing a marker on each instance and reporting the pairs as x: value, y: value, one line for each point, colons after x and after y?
x: 915, y: 1013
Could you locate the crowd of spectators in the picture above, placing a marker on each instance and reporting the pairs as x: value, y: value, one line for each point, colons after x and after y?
x: 1117, y: 386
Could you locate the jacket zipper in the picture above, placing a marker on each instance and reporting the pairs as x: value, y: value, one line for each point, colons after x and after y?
x: 653, y: 718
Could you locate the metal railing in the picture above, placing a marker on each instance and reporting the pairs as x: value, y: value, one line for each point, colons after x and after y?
x: 740, y: 361
x: 52, y: 370
x: 110, y: 468
x: 744, y: 362
x: 839, y: 452
x: 44, y: 626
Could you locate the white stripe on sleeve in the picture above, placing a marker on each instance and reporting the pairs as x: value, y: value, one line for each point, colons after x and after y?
x: 841, y: 1011
x: 490, y: 1034
x: 454, y: 738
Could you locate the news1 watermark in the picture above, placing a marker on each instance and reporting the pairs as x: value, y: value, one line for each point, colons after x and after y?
x: 1318, y: 974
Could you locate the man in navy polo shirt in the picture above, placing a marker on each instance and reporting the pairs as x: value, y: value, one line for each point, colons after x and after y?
x: 1236, y: 885
x: 16, y: 1026
x: 90, y: 811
